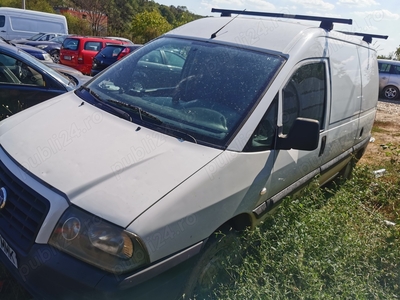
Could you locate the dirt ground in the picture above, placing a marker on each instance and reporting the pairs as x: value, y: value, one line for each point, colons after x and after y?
x: 386, y: 131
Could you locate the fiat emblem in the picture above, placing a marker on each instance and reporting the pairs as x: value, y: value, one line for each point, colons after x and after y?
x: 3, y: 197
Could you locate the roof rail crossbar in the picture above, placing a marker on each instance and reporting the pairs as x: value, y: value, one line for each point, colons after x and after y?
x: 367, y: 37
x: 326, y: 23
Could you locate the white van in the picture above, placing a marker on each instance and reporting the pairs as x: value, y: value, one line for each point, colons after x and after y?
x: 116, y: 190
x: 18, y: 23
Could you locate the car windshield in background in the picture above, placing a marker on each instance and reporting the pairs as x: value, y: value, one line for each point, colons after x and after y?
x: 35, y: 37
x: 199, y: 89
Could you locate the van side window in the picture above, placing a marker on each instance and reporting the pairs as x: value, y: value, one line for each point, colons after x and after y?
x: 304, y: 95
x: 2, y: 21
x: 263, y: 137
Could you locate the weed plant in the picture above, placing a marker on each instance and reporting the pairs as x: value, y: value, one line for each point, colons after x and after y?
x: 337, y: 242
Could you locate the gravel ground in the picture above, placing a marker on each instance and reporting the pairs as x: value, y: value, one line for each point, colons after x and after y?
x: 387, y: 106
x: 386, y: 132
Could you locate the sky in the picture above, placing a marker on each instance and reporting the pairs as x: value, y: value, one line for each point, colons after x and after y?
x: 369, y: 16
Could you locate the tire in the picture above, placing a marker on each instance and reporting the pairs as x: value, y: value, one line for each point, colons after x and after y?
x: 209, y: 271
x: 55, y: 56
x: 390, y: 92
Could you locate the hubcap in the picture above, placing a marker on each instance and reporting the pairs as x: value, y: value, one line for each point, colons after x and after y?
x: 390, y: 93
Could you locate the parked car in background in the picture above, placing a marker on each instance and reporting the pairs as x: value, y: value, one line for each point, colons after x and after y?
x: 389, y: 78
x: 71, y: 73
x: 39, y: 37
x: 25, y: 81
x: 37, y: 53
x: 121, y: 39
x: 52, y: 46
x: 16, y: 23
x: 109, y: 55
x: 78, y: 51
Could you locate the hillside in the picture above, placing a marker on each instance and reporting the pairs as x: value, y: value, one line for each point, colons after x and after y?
x: 138, y: 20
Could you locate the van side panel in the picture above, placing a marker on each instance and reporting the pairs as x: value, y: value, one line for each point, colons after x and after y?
x: 345, y: 97
x: 23, y: 23
x: 370, y: 78
x: 370, y: 92
x: 346, y: 80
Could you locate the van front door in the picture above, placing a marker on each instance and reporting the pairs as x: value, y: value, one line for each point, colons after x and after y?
x: 305, y: 95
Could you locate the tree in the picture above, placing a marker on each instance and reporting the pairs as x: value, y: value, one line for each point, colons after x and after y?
x: 167, y: 14
x: 77, y: 25
x: 147, y: 26
x: 119, y: 18
x: 96, y: 14
x: 38, y: 5
x: 397, y: 53
x: 11, y: 3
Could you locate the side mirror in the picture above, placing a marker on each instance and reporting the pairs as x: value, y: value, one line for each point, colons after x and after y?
x: 303, y: 135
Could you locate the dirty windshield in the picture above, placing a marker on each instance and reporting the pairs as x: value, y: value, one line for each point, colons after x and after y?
x: 202, y: 90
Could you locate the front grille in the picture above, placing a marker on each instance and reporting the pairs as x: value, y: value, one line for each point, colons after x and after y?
x: 24, y: 212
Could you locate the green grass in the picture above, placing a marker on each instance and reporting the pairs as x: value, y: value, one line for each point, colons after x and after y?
x: 330, y: 243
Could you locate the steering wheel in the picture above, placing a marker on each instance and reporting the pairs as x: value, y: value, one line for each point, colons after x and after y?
x: 207, y: 118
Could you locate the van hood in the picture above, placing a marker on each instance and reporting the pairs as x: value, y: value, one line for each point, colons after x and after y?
x: 104, y: 164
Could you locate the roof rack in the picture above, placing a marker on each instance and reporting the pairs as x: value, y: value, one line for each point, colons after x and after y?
x: 326, y: 23
x: 367, y: 37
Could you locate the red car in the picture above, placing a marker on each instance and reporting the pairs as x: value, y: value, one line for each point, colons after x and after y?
x: 78, y: 51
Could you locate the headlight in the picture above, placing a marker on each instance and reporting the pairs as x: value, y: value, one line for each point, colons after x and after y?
x: 47, y: 57
x: 98, y: 242
x: 41, y: 46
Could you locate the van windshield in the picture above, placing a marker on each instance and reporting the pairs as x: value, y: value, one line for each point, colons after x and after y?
x: 203, y: 90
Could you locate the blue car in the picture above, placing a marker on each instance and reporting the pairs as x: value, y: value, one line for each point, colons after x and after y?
x: 52, y: 46
x: 25, y: 81
x: 37, y: 53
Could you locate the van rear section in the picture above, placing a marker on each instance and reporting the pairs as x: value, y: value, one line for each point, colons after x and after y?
x: 18, y: 23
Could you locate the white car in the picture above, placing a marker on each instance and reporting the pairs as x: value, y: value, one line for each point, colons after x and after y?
x: 389, y: 78
x: 116, y: 190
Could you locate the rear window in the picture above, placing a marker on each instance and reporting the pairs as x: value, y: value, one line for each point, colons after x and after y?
x: 71, y: 44
x: 111, y: 51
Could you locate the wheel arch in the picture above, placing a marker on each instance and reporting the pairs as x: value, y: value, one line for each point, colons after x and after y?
x: 239, y: 223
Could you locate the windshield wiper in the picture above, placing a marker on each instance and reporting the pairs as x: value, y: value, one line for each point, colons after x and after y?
x: 107, y: 107
x: 142, y: 113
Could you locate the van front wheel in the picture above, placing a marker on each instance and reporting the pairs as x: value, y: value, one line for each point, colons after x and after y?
x: 209, y: 270
x: 391, y: 92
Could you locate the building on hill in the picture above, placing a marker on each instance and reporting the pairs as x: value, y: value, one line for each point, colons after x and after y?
x: 98, y: 22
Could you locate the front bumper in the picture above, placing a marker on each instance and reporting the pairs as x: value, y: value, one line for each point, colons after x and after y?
x: 47, y: 273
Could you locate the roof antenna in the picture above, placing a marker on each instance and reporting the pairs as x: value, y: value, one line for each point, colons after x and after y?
x: 214, y: 35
